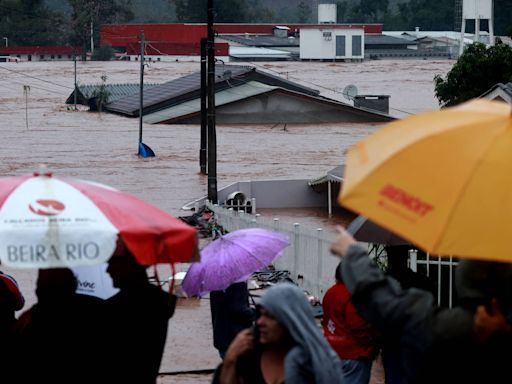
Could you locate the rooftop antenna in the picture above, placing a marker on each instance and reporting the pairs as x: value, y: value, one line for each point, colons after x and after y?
x: 350, y: 92
x: 144, y: 150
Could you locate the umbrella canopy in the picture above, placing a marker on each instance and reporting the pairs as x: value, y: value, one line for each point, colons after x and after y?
x: 232, y: 258
x: 441, y: 180
x: 48, y: 222
x: 366, y: 230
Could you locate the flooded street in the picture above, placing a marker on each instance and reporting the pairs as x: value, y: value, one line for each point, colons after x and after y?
x: 37, y: 127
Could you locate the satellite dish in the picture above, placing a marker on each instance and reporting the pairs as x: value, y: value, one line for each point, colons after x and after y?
x: 350, y: 92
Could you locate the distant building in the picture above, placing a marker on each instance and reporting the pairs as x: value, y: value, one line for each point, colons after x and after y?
x: 181, y: 41
x: 41, y: 53
x: 329, y: 42
x: 243, y: 95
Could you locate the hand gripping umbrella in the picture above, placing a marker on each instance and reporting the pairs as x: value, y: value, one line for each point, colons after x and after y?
x: 233, y: 258
x: 48, y: 222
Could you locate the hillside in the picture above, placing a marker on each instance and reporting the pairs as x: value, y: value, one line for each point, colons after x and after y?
x: 162, y: 11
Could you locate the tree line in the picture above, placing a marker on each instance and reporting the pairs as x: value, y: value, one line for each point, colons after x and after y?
x: 31, y: 22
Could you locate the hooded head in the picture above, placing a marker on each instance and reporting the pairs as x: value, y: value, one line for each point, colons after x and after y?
x: 289, y: 306
x: 477, y: 282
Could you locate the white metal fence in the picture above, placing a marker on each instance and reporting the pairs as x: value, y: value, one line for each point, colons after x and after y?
x: 308, y: 258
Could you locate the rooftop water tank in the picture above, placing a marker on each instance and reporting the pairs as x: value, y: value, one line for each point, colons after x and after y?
x: 326, y: 13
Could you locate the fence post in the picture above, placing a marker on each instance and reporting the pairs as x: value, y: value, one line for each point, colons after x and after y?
x: 276, y: 224
x: 413, y: 257
x: 320, y: 252
x: 254, y: 221
x: 253, y: 205
x: 296, y: 247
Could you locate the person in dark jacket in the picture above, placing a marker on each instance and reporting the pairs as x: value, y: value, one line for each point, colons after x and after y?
x: 137, y: 320
x: 397, y: 258
x: 466, y: 344
x: 11, y: 300
x: 231, y: 312
x: 58, y: 340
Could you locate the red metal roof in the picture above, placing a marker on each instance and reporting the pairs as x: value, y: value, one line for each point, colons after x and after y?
x: 40, y: 50
x: 120, y: 35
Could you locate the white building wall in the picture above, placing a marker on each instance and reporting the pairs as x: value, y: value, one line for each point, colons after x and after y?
x: 320, y: 44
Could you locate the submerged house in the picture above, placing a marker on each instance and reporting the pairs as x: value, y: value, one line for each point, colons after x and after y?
x: 500, y: 92
x: 243, y: 95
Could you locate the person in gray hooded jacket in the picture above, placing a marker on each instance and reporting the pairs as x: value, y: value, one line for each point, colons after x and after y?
x: 288, y: 346
x: 467, y: 344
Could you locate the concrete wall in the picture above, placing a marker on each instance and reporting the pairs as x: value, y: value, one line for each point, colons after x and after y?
x: 272, y: 194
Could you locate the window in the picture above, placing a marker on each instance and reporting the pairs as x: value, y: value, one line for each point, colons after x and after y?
x: 356, y: 45
x: 340, y: 46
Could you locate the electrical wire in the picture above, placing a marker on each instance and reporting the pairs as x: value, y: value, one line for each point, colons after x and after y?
x: 34, y: 77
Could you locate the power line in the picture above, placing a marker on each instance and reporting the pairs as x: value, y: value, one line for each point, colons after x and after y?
x: 33, y: 86
x: 34, y: 77
x: 320, y: 86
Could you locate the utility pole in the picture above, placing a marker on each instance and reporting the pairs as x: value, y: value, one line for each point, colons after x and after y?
x: 204, y: 123
x: 212, y: 137
x: 92, y: 37
x: 26, y: 90
x: 141, y: 89
x: 144, y: 150
x: 75, y: 94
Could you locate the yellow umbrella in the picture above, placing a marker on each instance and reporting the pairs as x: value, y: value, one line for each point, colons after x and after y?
x: 442, y: 180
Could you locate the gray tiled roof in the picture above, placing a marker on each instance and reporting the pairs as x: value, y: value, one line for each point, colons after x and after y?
x: 172, y: 89
x: 115, y: 91
x: 188, y: 87
x: 386, y: 40
x: 263, y: 40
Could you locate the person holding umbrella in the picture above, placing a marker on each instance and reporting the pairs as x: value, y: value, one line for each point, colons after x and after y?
x: 137, y: 321
x: 467, y: 344
x: 285, y: 346
x: 231, y: 313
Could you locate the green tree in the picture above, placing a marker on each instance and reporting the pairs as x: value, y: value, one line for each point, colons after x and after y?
x: 87, y: 13
x: 103, y: 53
x: 477, y: 70
x: 429, y: 15
x: 225, y: 11
x: 100, y: 96
x: 304, y: 13
x: 30, y: 22
x: 502, y: 16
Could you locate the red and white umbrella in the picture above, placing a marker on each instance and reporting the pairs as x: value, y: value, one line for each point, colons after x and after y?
x: 48, y: 222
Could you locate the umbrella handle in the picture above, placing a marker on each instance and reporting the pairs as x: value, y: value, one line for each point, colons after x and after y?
x: 171, y: 285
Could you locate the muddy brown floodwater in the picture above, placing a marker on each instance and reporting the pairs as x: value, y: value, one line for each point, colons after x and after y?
x: 38, y: 127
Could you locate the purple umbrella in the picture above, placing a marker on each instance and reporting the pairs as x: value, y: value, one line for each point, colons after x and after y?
x: 233, y: 258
